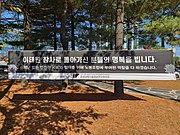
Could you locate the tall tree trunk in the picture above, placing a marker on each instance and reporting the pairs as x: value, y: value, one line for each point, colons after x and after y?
x: 132, y: 39
x: 162, y: 41
x: 11, y: 81
x: 137, y: 34
x: 72, y: 31
x: 99, y: 45
x: 111, y: 39
x: 0, y: 9
x: 111, y: 45
x: 118, y: 85
x: 90, y: 33
x: 128, y: 32
x: 55, y: 33
x: 119, y: 24
x: 63, y: 38
x: 27, y: 26
x: 63, y: 27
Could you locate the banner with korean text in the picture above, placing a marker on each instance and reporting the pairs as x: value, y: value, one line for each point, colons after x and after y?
x: 92, y: 65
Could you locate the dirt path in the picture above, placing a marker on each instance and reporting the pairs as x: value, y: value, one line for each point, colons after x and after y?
x: 41, y: 109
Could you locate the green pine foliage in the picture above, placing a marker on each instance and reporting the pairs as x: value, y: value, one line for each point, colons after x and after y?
x: 69, y: 24
x: 167, y: 26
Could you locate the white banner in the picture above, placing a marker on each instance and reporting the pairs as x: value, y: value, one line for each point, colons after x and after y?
x: 92, y: 76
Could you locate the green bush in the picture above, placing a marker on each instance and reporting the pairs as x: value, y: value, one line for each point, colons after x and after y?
x: 177, y: 62
x: 158, y: 48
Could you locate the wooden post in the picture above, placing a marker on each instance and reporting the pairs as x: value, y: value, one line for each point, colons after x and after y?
x: 118, y: 88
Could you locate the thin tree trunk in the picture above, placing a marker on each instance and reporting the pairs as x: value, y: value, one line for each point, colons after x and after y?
x: 55, y: 33
x: 132, y: 39
x: 137, y: 33
x: 111, y: 39
x: 119, y: 24
x: 63, y: 39
x: 27, y: 26
x: 162, y: 41
x: 63, y: 27
x: 111, y: 45
x: 129, y: 39
x: 11, y: 81
x: 90, y: 33
x: 0, y: 8
x: 118, y: 85
x: 99, y: 45
x: 72, y: 31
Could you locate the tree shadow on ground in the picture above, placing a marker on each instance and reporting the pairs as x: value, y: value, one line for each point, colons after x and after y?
x: 77, y: 93
x: 46, y: 117
x: 79, y: 89
x: 74, y: 97
x: 6, y: 89
x: 4, y: 83
x: 41, y: 114
x: 44, y: 87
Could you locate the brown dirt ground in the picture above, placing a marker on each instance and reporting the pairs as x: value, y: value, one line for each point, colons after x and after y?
x: 42, y: 109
